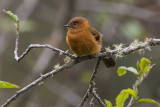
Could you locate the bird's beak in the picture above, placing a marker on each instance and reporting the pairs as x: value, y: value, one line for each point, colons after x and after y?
x: 66, y: 25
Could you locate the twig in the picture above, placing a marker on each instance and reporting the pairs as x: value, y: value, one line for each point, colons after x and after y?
x: 91, y: 103
x: 86, y: 96
x: 125, y: 51
x: 91, y: 87
x: 18, y: 58
x: 95, y: 95
x: 91, y: 83
x: 130, y: 102
x: 93, y: 76
x: 129, y: 49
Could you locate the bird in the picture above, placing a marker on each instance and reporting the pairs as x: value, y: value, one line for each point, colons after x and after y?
x: 83, y: 39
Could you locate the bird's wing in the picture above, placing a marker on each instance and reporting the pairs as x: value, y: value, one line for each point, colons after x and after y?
x: 96, y: 34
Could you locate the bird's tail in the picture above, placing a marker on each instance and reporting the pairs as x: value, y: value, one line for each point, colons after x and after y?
x: 109, y: 62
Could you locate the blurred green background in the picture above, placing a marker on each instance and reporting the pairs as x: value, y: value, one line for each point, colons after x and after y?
x: 41, y: 22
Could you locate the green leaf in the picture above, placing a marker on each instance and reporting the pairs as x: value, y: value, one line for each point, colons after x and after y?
x: 146, y: 69
x: 144, y: 100
x: 121, y: 98
x: 13, y: 16
x: 108, y: 103
x: 144, y: 64
x: 4, y: 84
x: 131, y: 92
x: 133, y: 70
x: 121, y: 71
x: 138, y: 66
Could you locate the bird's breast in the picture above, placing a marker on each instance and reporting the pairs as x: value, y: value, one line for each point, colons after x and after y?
x: 83, y: 43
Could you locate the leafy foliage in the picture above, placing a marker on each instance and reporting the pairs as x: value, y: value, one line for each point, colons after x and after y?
x: 15, y: 18
x: 108, y: 103
x: 142, y: 71
x: 142, y: 68
x: 144, y: 100
x: 131, y: 92
x: 121, y: 98
x: 4, y: 84
x: 122, y: 70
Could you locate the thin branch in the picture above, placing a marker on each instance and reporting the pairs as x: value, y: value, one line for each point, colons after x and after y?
x: 36, y: 82
x: 129, y: 49
x: 91, y: 85
x: 91, y: 89
x: 130, y: 102
x: 93, y: 76
x: 95, y: 95
x: 125, y: 51
x: 86, y: 96
x: 18, y: 58
x: 91, y: 102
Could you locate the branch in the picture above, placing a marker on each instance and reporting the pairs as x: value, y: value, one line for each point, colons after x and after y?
x: 129, y: 49
x: 91, y: 84
x: 95, y: 95
x: 91, y: 102
x: 91, y: 89
x: 36, y: 82
x: 18, y: 58
x: 124, y: 51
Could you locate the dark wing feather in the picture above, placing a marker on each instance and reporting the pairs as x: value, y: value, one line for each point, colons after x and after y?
x: 109, y: 62
x: 96, y: 34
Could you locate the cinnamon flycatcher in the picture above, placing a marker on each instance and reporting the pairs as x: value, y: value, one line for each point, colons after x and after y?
x: 84, y: 40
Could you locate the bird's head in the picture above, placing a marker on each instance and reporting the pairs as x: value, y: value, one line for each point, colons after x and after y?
x: 77, y: 23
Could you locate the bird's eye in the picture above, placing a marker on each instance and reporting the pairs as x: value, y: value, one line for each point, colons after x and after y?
x: 75, y: 23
